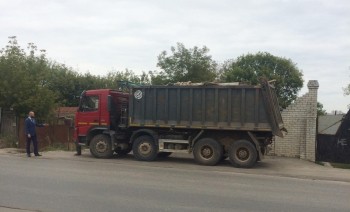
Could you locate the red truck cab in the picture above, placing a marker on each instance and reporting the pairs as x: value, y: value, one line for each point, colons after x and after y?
x: 99, y: 112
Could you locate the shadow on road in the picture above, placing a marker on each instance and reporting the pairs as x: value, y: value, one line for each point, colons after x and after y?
x: 180, y: 159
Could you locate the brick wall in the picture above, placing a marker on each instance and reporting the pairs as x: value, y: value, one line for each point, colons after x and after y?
x: 300, y: 120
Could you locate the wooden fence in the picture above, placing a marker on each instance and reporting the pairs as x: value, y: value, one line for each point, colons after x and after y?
x: 48, y: 136
x: 8, y: 123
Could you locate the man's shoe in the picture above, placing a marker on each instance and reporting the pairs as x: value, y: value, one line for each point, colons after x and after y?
x: 38, y: 155
x: 28, y: 155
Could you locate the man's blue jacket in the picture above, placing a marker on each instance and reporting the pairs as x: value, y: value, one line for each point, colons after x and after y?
x: 30, y: 124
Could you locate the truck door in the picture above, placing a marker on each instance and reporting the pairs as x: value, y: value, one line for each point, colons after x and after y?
x: 89, y: 114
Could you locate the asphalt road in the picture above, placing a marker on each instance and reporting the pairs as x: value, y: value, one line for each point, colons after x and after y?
x: 89, y: 184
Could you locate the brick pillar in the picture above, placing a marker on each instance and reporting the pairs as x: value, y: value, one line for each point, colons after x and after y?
x: 311, y: 121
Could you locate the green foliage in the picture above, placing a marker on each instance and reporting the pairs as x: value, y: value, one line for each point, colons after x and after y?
x: 70, y: 84
x: 23, y: 85
x: 112, y: 78
x: 8, y: 141
x: 347, y: 90
x: 31, y: 82
x: 320, y: 110
x: 64, y: 82
x: 184, y: 64
x: 249, y: 68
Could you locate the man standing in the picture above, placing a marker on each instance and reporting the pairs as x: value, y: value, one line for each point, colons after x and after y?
x: 30, y: 124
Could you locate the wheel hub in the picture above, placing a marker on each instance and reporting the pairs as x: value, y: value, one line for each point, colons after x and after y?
x: 101, y: 146
x: 145, y: 148
x: 207, y: 152
x: 242, y: 154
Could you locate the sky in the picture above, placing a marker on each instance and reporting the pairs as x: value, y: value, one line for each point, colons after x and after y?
x: 109, y: 35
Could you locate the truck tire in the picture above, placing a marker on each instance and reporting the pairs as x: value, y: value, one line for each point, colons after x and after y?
x: 242, y: 154
x: 144, y: 148
x: 163, y: 154
x: 207, y: 152
x: 100, y: 146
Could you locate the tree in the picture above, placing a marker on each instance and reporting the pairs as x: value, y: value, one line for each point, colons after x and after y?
x: 23, y: 82
x: 320, y: 110
x: 65, y: 82
x: 347, y: 90
x: 32, y: 82
x: 69, y: 84
x: 158, y: 78
x: 184, y: 64
x: 114, y: 77
x: 249, y: 68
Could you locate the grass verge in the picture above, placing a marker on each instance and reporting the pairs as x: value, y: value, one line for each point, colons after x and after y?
x: 341, y: 165
x: 8, y: 141
x: 56, y: 147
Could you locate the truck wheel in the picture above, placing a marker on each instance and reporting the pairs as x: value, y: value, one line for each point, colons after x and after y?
x: 164, y: 154
x: 207, y: 152
x: 242, y: 154
x: 100, y: 146
x: 144, y: 148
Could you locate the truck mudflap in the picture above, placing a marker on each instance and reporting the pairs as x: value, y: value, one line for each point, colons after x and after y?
x: 257, y: 145
x: 111, y: 133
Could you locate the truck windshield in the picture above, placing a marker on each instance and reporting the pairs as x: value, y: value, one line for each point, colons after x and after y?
x: 89, y: 103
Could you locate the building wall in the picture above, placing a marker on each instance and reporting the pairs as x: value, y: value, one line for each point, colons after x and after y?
x: 300, y: 121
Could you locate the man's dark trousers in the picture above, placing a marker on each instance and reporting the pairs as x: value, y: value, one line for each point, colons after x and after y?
x: 35, y: 145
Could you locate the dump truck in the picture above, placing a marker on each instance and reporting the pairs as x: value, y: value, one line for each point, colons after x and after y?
x: 213, y: 121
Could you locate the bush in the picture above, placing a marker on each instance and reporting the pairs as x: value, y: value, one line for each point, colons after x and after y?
x: 56, y: 147
x: 8, y: 141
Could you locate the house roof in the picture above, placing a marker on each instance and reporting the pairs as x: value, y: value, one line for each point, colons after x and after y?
x: 344, y: 128
x: 329, y: 124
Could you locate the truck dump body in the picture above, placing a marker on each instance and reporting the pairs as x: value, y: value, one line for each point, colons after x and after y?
x: 240, y: 107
